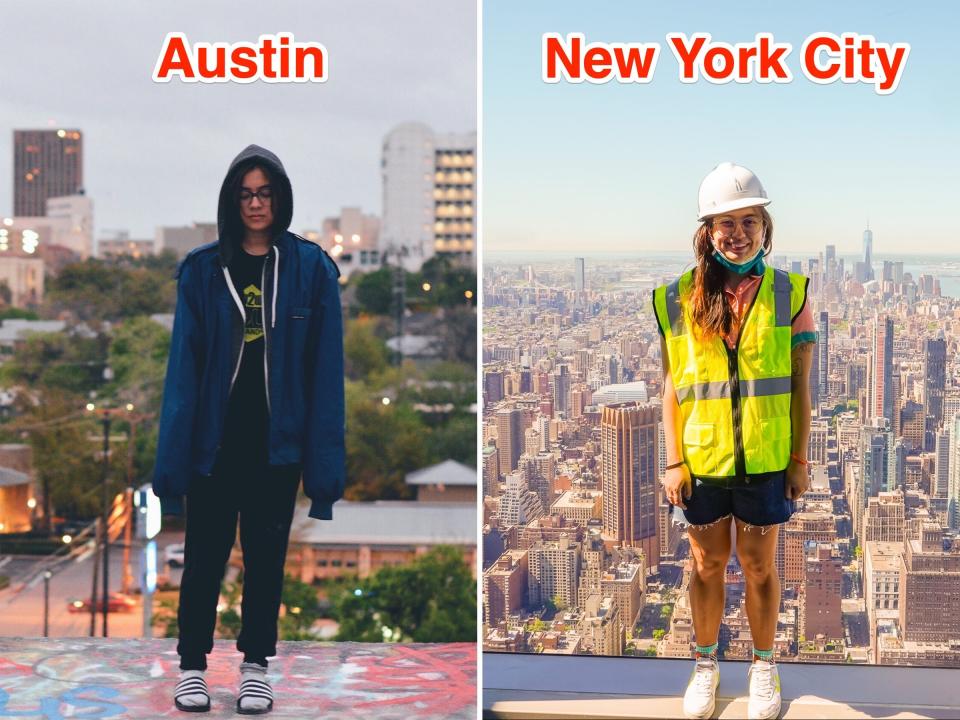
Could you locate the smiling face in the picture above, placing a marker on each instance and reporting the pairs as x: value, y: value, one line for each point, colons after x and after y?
x: 738, y: 234
x: 256, y: 203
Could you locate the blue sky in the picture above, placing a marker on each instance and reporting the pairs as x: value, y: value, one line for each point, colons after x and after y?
x: 615, y: 168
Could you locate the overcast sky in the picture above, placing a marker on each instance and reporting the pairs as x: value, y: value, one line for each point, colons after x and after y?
x: 155, y: 154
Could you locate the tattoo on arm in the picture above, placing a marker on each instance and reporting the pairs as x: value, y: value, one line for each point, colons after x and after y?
x: 799, y: 352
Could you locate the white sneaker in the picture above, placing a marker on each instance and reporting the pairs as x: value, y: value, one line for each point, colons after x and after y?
x: 764, y: 682
x: 700, y: 697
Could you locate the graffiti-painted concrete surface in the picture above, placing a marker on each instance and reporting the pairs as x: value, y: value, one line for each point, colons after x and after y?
x: 62, y: 678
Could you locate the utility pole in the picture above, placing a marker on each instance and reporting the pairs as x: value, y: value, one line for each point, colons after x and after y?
x: 106, y: 517
x: 46, y: 603
x: 93, y: 591
x: 128, y: 524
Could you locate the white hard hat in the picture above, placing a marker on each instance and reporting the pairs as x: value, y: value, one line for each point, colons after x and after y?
x: 729, y: 187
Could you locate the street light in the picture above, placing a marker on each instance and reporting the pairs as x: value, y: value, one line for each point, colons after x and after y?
x: 67, y: 539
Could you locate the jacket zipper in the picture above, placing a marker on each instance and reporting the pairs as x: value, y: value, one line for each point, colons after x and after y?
x: 263, y: 319
x: 733, y: 370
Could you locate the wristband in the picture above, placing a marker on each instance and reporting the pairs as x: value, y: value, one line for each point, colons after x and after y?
x: 797, y: 459
x: 675, y: 465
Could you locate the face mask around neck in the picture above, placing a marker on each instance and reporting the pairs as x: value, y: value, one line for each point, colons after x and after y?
x: 754, y: 265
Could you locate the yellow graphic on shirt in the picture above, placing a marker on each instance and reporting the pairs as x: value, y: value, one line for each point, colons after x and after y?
x: 253, y: 299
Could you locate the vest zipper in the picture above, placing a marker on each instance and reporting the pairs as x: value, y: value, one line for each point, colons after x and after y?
x: 733, y: 370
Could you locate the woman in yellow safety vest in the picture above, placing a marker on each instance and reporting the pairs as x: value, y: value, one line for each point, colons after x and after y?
x: 737, y: 346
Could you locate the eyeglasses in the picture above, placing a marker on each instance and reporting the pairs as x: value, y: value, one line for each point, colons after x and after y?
x: 728, y: 226
x: 264, y: 193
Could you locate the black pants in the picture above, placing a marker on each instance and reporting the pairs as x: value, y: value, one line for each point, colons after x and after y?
x: 263, y: 496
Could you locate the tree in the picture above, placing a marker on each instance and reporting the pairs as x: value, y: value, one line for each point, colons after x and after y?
x: 659, y: 633
x: 375, y: 291
x: 364, y: 352
x: 650, y: 651
x: 433, y: 599
x: 301, y: 609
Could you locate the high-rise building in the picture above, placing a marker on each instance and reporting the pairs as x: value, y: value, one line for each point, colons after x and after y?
x: 579, y: 275
x: 822, y: 590
x: 491, y: 471
x: 823, y: 350
x: 429, y: 182
x: 493, y: 386
x: 878, y: 465
x: 953, y: 476
x: 881, y: 583
x: 941, y: 482
x: 626, y: 584
x: 934, y: 386
x: 505, y: 587
x: 561, y: 389
x: 868, y: 252
x: 519, y: 504
x: 884, y: 518
x: 46, y: 164
x: 509, y: 439
x: 817, y: 444
x: 929, y: 588
x: 881, y: 369
x: 539, y: 472
x: 628, y: 444
x: 804, y: 527
x: 554, y: 568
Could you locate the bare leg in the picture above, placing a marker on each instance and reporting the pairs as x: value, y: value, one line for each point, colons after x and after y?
x: 710, y: 550
x: 756, y: 551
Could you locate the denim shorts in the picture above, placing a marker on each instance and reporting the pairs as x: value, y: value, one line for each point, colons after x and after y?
x: 758, y: 500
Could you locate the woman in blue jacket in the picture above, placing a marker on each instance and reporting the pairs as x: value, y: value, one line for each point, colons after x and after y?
x: 253, y: 399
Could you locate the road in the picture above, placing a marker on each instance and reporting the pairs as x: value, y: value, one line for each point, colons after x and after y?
x: 21, y: 610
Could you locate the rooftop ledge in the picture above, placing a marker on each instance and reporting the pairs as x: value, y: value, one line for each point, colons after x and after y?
x: 543, y: 686
x: 59, y: 678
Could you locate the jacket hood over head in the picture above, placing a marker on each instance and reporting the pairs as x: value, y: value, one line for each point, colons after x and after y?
x: 229, y: 225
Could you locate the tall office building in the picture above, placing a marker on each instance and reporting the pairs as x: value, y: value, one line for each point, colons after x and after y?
x: 884, y: 519
x: 429, y: 186
x: 554, y: 569
x: 941, y: 479
x: 929, y: 588
x: 561, y: 389
x: 823, y: 350
x: 953, y: 479
x: 878, y: 463
x: 579, y: 275
x: 46, y: 164
x: 934, y: 386
x: 509, y: 439
x: 505, y: 587
x: 868, y: 252
x: 820, y: 612
x: 881, y: 391
x: 628, y: 446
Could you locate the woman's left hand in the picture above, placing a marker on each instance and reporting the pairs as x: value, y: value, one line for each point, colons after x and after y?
x: 798, y: 480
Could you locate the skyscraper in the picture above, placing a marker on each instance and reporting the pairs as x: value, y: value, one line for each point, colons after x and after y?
x: 509, y: 439
x: 579, y: 275
x: 628, y: 445
x: 46, y: 164
x: 941, y: 480
x: 823, y: 349
x: 429, y: 182
x: 881, y: 369
x: 820, y: 612
x: 953, y: 480
x: 561, y: 389
x: 934, y: 386
x: 868, y: 253
x: 877, y: 458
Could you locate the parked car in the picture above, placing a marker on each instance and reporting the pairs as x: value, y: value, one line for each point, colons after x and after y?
x: 173, y: 554
x: 118, y: 602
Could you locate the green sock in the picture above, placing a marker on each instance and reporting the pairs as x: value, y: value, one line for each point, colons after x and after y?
x: 765, y: 655
x: 707, y: 650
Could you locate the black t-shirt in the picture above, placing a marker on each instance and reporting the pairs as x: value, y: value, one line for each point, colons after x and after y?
x: 246, y: 423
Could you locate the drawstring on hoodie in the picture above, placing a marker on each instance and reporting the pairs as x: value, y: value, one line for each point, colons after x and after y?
x: 276, y: 270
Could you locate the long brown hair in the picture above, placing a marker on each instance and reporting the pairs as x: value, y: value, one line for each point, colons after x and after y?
x: 710, y: 311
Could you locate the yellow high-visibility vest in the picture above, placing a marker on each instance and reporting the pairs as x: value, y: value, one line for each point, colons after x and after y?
x: 734, y: 404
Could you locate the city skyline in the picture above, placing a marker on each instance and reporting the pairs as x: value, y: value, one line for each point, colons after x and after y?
x: 616, y: 167
x: 156, y: 153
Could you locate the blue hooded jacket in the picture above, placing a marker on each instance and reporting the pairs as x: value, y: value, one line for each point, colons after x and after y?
x: 303, y: 353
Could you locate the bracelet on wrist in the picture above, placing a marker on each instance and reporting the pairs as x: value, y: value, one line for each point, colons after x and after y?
x: 674, y: 465
x: 799, y: 460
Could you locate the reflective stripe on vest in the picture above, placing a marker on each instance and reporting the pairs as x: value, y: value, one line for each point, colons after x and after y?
x: 734, y: 404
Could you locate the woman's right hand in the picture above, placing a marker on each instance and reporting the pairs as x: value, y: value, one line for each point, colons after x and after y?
x: 678, y: 485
